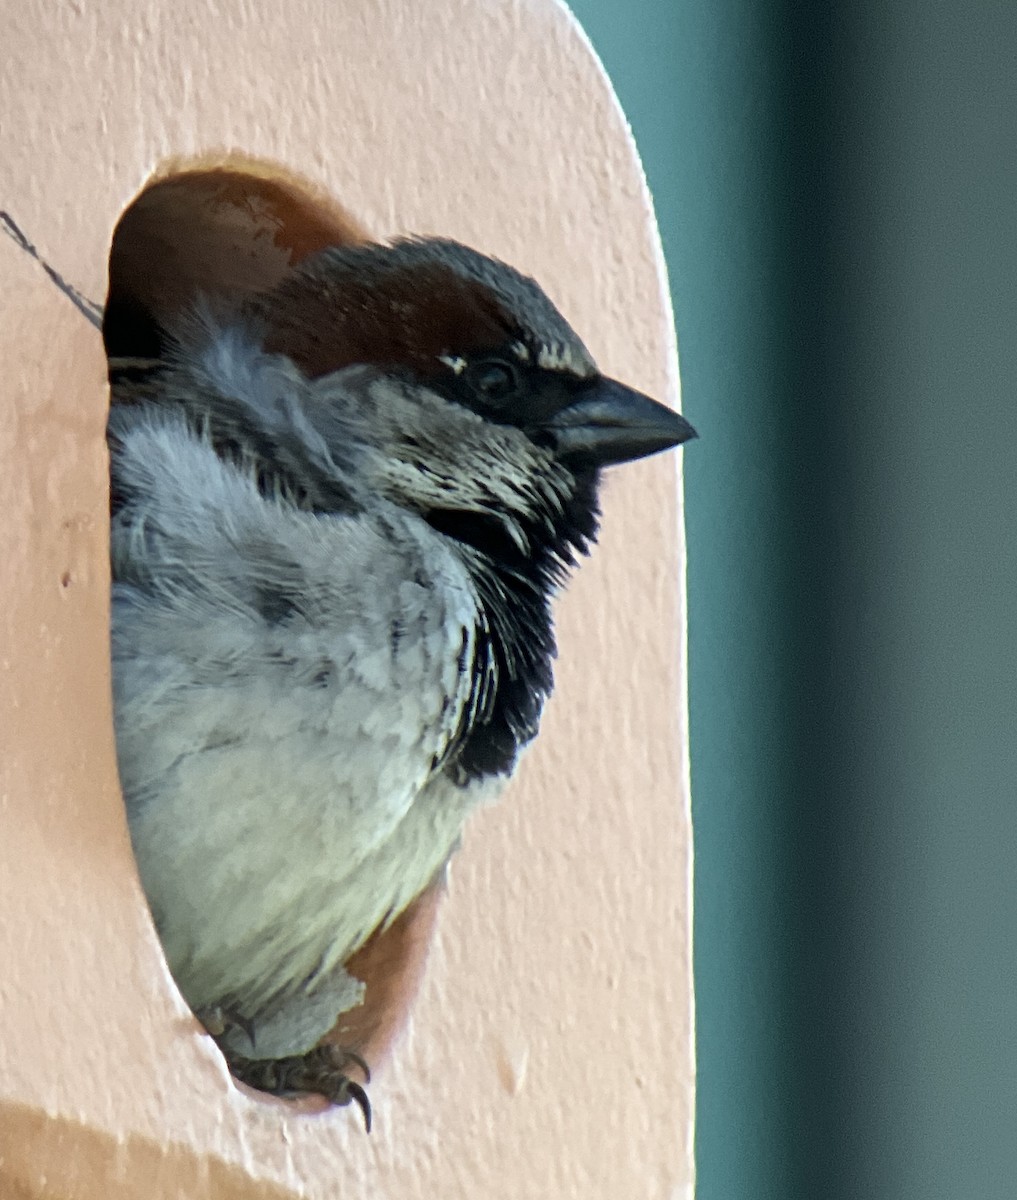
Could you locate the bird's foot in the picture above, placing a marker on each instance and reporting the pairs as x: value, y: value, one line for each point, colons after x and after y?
x: 321, y: 1071
x: 219, y: 1019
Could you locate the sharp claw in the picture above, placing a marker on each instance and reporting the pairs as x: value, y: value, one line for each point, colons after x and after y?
x: 357, y: 1093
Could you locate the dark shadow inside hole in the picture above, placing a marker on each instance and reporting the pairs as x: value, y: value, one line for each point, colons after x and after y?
x: 226, y: 232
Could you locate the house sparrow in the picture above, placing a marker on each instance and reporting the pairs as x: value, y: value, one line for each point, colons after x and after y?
x: 340, y: 511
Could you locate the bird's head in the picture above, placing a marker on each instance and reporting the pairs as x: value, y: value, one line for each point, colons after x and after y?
x: 483, y: 409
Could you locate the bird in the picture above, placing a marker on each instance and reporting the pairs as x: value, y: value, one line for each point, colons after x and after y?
x: 340, y: 512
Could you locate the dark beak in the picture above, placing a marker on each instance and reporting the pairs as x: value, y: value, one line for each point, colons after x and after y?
x: 609, y: 423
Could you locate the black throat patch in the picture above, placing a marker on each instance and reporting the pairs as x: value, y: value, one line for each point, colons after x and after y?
x: 515, y: 649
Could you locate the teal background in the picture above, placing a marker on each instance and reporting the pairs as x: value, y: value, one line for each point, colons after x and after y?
x: 836, y: 190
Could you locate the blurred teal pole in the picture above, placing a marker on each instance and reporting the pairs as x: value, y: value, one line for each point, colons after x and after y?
x: 708, y: 91
x: 837, y: 191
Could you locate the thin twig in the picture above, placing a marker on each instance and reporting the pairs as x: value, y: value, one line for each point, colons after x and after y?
x: 91, y: 310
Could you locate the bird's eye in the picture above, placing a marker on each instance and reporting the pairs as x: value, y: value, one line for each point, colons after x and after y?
x: 494, y: 380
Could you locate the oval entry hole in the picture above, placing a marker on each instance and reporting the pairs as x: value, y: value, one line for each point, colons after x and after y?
x: 231, y: 231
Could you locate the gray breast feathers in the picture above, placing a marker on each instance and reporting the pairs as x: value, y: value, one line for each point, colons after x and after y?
x: 286, y: 686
